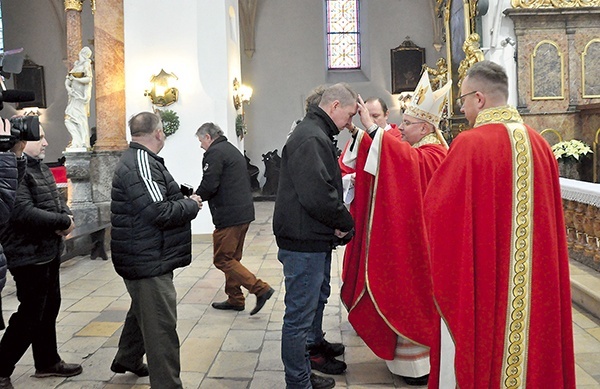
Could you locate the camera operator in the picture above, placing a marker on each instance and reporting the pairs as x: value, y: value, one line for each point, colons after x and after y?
x: 12, y: 169
x: 33, y: 243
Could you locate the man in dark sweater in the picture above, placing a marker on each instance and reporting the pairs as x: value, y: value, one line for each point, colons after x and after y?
x: 32, y: 243
x: 226, y: 186
x: 308, y: 221
x: 151, y: 237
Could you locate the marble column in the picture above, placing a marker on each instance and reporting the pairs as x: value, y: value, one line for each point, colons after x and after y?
x: 110, y: 76
x: 73, y: 19
x: 110, y: 100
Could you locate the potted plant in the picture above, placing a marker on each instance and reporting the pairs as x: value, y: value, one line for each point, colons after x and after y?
x: 571, y: 155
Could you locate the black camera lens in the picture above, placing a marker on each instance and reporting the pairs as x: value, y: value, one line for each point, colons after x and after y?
x: 26, y: 128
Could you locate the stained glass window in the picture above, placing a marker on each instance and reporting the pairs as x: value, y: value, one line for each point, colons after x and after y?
x: 343, y: 34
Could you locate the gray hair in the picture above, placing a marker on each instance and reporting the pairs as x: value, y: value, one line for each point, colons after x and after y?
x: 315, y: 97
x: 211, y: 129
x: 144, y: 123
x: 340, y: 92
x: 491, y: 75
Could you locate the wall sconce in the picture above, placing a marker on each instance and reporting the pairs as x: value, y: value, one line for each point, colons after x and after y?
x: 241, y: 94
x: 163, y: 92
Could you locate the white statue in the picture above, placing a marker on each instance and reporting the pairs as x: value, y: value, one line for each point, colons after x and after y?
x: 79, y: 92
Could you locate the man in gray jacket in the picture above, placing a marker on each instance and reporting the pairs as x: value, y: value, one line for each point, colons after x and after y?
x: 226, y: 186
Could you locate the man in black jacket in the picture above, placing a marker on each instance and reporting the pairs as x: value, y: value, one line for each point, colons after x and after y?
x: 33, y: 244
x: 151, y: 236
x: 226, y: 186
x: 12, y: 170
x: 308, y: 221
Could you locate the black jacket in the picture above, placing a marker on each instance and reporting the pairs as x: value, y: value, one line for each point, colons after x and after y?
x: 226, y: 185
x: 8, y: 192
x: 151, y: 230
x: 30, y: 237
x: 309, y: 206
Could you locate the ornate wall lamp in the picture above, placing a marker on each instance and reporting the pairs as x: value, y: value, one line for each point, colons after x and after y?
x: 163, y: 92
x: 241, y: 94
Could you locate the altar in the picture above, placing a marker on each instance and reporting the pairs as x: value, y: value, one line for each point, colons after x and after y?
x: 581, y: 204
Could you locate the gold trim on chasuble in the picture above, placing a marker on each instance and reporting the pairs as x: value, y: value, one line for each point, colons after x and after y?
x: 514, y: 365
x: 429, y: 139
x: 378, y: 138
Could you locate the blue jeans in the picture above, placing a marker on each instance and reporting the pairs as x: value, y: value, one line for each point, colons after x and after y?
x: 307, y: 277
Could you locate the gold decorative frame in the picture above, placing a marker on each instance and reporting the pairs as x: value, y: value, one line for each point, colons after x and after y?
x: 455, y: 56
x: 562, y: 72
x: 554, y: 3
x: 583, y: 54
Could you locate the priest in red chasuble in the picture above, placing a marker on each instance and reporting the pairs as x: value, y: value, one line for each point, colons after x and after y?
x: 498, y: 249
x: 386, y: 278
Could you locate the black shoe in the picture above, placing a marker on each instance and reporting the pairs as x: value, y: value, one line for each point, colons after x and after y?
x: 226, y: 306
x: 320, y: 382
x: 261, y: 300
x: 141, y: 371
x: 61, y: 369
x: 327, y: 349
x: 327, y: 365
x: 417, y: 381
x: 5, y: 383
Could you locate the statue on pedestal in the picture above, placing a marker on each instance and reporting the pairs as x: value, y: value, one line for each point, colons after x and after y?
x: 79, y: 91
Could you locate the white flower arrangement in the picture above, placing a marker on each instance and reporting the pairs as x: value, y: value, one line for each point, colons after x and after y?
x: 571, y: 148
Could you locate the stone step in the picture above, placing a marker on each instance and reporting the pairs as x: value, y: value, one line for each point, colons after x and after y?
x: 585, y: 287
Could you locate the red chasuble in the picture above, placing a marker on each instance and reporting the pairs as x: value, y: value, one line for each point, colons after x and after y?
x: 499, y: 258
x: 387, y: 285
x: 393, y: 130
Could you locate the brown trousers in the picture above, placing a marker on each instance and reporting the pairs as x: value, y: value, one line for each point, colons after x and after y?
x: 228, y: 244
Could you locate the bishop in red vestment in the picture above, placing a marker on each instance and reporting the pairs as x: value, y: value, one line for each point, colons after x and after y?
x: 386, y: 279
x: 499, y: 258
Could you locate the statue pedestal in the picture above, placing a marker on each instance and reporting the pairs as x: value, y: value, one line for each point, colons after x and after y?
x: 80, y: 187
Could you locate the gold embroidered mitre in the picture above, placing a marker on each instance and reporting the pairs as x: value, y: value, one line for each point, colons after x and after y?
x: 426, y: 104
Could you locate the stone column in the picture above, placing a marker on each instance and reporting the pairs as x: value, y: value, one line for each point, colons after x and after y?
x: 110, y: 100
x: 73, y: 19
x: 80, y: 188
x: 110, y: 75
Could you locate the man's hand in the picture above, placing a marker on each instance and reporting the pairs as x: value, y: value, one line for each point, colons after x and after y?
x: 18, y: 148
x: 68, y: 230
x: 197, y: 199
x: 340, y: 234
x: 365, y: 116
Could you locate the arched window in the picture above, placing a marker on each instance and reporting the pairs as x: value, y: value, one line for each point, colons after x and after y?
x: 343, y: 34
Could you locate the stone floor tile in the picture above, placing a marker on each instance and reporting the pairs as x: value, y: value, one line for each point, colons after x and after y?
x: 233, y: 364
x: 243, y: 340
x: 222, y: 383
x: 270, y: 357
x: 191, y: 380
x: 78, y: 318
x: 268, y: 380
x: 368, y: 373
x: 83, y: 344
x: 197, y: 354
x: 100, y: 328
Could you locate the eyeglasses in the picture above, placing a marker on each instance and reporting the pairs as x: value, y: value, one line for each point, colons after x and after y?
x: 461, y: 99
x: 406, y: 123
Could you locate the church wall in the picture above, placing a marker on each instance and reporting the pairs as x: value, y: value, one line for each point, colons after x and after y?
x: 193, y: 39
x: 289, y: 62
x: 39, y: 28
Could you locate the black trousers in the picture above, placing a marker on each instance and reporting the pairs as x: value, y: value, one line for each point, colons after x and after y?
x: 34, y: 323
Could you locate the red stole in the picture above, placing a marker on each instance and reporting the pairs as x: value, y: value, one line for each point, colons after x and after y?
x: 469, y: 213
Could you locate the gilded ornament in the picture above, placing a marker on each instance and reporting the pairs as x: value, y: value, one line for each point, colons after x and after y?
x: 73, y: 5
x: 554, y: 3
x: 505, y: 114
x: 473, y: 54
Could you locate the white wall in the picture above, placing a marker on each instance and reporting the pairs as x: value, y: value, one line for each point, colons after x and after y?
x: 290, y: 61
x: 194, y: 40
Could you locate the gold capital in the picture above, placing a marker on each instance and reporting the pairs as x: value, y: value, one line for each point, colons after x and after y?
x: 73, y: 5
x: 554, y: 3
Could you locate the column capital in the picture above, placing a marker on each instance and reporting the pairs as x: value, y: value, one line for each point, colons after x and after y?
x: 73, y: 5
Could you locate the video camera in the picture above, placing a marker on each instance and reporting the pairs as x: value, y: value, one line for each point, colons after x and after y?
x: 25, y: 127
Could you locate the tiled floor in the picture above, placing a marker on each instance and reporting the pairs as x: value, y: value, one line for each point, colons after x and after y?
x: 221, y: 349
